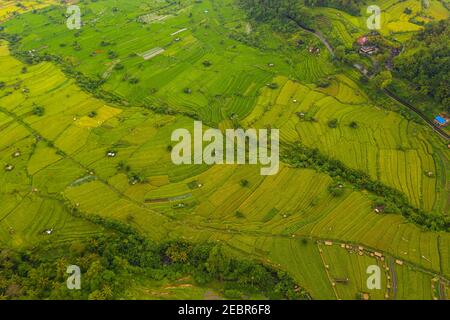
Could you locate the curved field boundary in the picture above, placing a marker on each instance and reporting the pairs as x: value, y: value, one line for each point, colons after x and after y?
x: 367, y: 248
x: 441, y: 132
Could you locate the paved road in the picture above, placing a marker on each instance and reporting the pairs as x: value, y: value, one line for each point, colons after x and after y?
x: 392, y: 95
x: 441, y: 132
x: 318, y: 34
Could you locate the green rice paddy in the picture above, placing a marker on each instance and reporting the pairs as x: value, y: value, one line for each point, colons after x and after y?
x: 289, y: 221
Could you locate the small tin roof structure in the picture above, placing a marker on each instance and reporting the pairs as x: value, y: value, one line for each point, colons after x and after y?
x: 440, y: 120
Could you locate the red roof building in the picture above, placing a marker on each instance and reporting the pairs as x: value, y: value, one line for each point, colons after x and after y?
x: 362, y: 41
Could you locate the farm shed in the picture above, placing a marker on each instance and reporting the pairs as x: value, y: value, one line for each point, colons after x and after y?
x: 440, y: 121
x: 399, y: 262
x: 342, y: 280
x: 368, y: 50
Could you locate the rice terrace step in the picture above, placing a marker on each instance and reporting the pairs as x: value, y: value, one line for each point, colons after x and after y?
x: 233, y: 157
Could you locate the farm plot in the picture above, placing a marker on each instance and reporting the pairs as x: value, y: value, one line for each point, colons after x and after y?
x: 340, y: 27
x: 381, y: 143
x: 115, y: 161
x: 307, y: 211
x: 34, y: 219
x: 347, y: 269
x: 9, y: 9
x: 398, y: 20
x: 151, y: 18
x: 413, y: 285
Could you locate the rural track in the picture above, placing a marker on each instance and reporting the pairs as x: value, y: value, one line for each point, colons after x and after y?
x: 389, y: 93
x: 394, y: 278
x: 35, y: 133
x: 330, y: 49
x: 327, y: 271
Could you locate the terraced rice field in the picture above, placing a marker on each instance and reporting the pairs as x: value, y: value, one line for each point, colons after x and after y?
x: 388, y: 147
x: 9, y: 9
x: 60, y: 159
x: 228, y: 86
x: 343, y: 28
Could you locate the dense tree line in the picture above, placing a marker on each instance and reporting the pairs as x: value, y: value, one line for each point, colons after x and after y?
x: 283, y: 15
x: 91, y: 85
x: 428, y: 68
x: 109, y: 263
x: 351, y: 6
x: 301, y: 156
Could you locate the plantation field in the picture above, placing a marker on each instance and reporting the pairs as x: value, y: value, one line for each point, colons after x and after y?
x: 64, y: 148
x: 26, y: 213
x: 343, y: 28
x: 9, y: 9
x: 210, y: 210
x: 381, y: 145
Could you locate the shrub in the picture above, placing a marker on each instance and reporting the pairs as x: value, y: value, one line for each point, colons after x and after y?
x: 353, y: 125
x: 38, y: 111
x: 244, y: 183
x: 333, y: 123
x: 92, y: 114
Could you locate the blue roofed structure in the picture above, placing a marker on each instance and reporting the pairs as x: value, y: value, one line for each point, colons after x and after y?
x: 440, y: 120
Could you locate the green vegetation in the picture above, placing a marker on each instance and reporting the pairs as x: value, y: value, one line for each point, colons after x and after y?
x: 110, y: 262
x: 302, y: 157
x: 351, y: 6
x: 427, y: 67
x: 87, y: 177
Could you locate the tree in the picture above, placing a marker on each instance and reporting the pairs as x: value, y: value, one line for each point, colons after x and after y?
x: 383, y: 79
x: 218, y: 264
x: 353, y: 125
x: 340, y: 52
x: 38, y: 111
x: 177, y: 253
x: 333, y: 123
x: 244, y: 183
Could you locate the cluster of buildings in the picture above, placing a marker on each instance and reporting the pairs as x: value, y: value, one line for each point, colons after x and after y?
x: 365, y: 48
